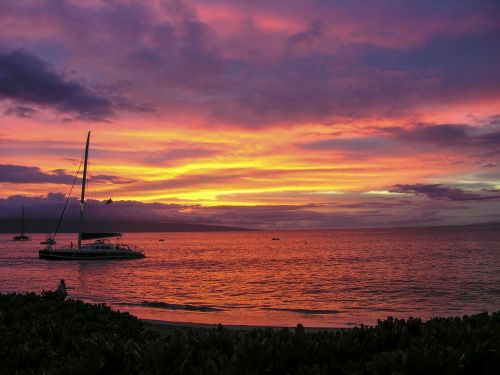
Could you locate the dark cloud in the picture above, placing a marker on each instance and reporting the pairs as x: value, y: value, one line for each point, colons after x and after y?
x: 418, y: 137
x: 18, y: 174
x: 441, y: 134
x: 181, y: 64
x: 25, y: 78
x: 263, y: 216
x: 461, y: 137
x: 439, y: 191
x: 306, y: 38
x: 383, y: 203
x: 20, y: 111
x: 21, y: 174
x: 494, y: 120
x: 50, y: 206
x: 349, y: 144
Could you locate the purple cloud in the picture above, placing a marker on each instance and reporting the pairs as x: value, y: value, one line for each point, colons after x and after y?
x: 18, y: 174
x: 20, y: 111
x: 329, y: 215
x: 419, y: 137
x: 25, y: 78
x: 439, y: 191
x: 347, y: 60
x: 349, y: 144
x: 441, y: 134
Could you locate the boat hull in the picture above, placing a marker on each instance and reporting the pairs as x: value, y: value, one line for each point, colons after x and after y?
x: 84, y: 255
x: 21, y: 238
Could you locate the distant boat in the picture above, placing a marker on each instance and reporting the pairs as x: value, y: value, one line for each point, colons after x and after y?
x: 102, y: 248
x: 22, y: 236
x: 49, y: 241
x: 276, y: 238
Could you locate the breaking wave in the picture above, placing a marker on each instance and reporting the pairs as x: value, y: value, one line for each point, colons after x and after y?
x: 301, y: 311
x: 174, y: 306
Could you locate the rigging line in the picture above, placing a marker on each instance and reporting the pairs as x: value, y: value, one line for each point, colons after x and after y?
x: 67, y: 199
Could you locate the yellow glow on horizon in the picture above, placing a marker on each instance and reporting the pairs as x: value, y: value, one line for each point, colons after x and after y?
x: 242, y: 166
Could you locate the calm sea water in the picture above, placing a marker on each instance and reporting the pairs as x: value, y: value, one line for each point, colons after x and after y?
x: 327, y: 278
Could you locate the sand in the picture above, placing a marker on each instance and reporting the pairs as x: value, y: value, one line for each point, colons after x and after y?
x: 163, y: 326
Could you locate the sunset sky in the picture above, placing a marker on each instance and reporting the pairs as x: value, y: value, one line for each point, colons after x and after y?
x: 298, y: 114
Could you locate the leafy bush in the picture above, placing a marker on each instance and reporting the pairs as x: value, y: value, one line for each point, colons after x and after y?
x: 46, y: 334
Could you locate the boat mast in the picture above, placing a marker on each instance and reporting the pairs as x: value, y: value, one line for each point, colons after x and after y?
x: 22, y: 223
x: 82, y: 199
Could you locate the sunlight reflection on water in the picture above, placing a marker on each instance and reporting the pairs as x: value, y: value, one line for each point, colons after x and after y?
x: 328, y: 278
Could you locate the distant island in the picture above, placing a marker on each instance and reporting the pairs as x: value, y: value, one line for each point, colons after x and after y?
x: 8, y: 225
x: 47, y: 225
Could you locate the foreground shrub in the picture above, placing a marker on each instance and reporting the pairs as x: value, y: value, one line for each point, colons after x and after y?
x: 45, y: 334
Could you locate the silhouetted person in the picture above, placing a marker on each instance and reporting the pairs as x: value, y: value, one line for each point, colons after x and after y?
x: 61, y: 289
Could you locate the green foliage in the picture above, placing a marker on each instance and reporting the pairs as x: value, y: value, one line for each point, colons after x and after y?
x: 48, y: 335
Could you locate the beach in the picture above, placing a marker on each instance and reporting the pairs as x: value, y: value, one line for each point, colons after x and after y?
x: 165, y: 327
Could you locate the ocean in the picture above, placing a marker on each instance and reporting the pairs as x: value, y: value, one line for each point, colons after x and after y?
x: 319, y: 278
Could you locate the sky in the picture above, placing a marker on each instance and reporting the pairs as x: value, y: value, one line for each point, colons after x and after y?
x: 298, y: 114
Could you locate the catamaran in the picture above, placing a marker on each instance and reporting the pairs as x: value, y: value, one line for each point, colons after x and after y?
x: 101, y: 248
x: 22, y: 236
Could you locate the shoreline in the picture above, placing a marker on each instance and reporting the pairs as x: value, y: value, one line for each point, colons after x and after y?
x: 165, y: 326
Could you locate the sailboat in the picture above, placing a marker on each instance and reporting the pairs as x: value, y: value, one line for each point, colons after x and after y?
x: 49, y: 241
x: 101, y: 248
x: 22, y: 236
x: 276, y: 238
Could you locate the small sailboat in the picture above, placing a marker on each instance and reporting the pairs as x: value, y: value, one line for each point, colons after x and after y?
x: 101, y: 248
x: 49, y: 241
x: 22, y: 236
x: 276, y: 238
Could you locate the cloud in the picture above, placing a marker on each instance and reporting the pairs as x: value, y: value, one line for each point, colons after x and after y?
x: 18, y: 174
x: 305, y: 39
x: 193, y: 181
x: 441, y: 134
x: 264, y: 217
x: 439, y: 191
x: 359, y: 213
x: 459, y: 137
x: 418, y: 137
x: 310, y: 62
x: 170, y: 156
x: 25, y: 78
x: 20, y: 111
x: 349, y: 144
